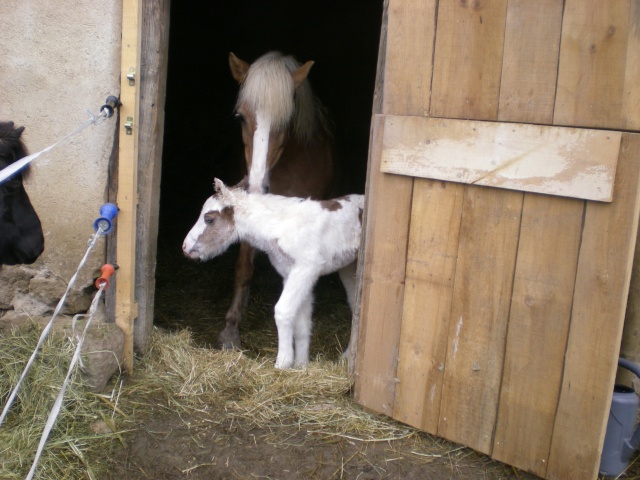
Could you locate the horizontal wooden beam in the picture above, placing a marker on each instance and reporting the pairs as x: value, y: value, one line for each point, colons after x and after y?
x: 570, y: 162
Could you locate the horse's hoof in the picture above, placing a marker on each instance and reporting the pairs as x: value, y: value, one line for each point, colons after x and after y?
x: 229, y: 341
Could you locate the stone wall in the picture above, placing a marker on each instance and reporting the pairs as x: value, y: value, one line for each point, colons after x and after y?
x: 59, y: 59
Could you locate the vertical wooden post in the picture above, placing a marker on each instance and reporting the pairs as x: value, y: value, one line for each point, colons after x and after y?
x: 127, y: 199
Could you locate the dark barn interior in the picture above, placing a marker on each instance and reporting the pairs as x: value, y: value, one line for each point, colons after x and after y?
x: 202, y: 139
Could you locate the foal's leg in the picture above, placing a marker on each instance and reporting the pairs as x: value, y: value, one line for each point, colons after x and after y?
x: 348, y: 277
x: 296, y: 294
x: 302, y: 332
x: 230, y: 336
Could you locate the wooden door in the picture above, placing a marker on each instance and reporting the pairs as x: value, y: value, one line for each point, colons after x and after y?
x: 494, y: 290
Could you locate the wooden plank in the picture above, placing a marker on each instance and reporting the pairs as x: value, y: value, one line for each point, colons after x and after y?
x: 387, y: 229
x: 593, y: 72
x: 433, y: 248
x: 530, y: 62
x: 593, y: 64
x: 125, y: 308
x: 630, y: 347
x: 467, y: 62
x: 407, y: 74
x: 376, y: 109
x: 604, y: 270
x: 466, y: 80
x: 562, y: 161
x: 479, y: 314
x: 631, y: 98
x: 388, y: 204
x: 154, y: 56
x: 547, y: 252
x: 538, y: 324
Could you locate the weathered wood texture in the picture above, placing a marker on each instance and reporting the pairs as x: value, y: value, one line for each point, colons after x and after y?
x: 631, y: 117
x: 383, y: 262
x: 151, y: 78
x: 598, y: 70
x: 570, y: 162
x: 530, y: 62
x: 153, y: 74
x: 498, y: 314
x: 127, y: 197
x: 376, y: 109
x: 597, y: 43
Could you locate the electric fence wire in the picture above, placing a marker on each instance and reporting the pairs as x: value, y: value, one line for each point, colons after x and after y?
x: 47, y: 329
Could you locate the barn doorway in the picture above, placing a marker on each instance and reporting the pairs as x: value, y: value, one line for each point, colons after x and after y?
x: 202, y: 141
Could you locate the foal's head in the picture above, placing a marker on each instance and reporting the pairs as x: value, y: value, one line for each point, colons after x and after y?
x: 21, y: 238
x: 214, y: 232
x: 275, y: 101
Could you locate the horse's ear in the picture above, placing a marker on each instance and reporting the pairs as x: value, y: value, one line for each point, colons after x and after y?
x: 300, y: 73
x: 238, y: 67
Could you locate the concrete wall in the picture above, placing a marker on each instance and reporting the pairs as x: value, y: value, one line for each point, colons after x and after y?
x: 58, y: 59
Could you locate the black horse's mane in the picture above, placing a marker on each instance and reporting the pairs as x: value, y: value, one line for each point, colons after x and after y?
x: 11, y: 147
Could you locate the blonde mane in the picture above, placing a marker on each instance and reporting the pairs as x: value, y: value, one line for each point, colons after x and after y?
x: 268, y: 87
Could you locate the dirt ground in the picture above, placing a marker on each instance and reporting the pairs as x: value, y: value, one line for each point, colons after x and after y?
x: 208, y: 444
x: 202, y: 447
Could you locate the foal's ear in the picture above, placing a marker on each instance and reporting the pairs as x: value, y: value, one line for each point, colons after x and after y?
x: 238, y: 67
x: 218, y: 185
x: 300, y: 73
x: 221, y: 190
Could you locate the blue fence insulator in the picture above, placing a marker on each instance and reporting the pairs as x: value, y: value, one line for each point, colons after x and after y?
x: 108, y: 211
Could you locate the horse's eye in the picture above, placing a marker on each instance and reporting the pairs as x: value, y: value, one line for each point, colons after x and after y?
x: 240, y: 117
x: 208, y: 220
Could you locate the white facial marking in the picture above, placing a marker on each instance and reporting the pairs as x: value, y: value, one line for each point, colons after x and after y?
x: 257, y: 175
x: 199, y: 227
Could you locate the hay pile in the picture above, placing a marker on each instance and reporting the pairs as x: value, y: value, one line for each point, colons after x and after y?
x: 72, y: 441
x: 175, y: 376
x: 254, y: 392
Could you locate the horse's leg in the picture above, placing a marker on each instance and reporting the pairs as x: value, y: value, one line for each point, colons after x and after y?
x: 296, y: 293
x: 230, y: 336
x: 348, y: 277
x: 302, y: 332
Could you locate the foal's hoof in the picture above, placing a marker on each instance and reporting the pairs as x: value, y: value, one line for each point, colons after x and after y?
x: 284, y: 364
x: 229, y: 340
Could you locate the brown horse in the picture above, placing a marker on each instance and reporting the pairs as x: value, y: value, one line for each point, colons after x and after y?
x: 288, y: 148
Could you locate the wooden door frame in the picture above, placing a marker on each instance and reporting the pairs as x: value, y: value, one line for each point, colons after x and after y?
x: 133, y: 305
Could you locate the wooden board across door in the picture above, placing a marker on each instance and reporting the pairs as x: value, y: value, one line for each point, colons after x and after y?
x: 570, y: 162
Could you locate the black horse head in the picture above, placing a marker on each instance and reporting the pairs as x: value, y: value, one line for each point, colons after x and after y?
x: 21, y: 238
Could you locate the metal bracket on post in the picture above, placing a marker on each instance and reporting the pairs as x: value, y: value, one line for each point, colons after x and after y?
x: 128, y: 126
x: 131, y: 76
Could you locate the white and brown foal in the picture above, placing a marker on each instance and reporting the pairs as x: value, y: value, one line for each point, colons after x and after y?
x: 303, y: 238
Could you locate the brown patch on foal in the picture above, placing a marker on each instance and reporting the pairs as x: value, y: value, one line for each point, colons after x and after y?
x: 330, y: 205
x: 226, y: 214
